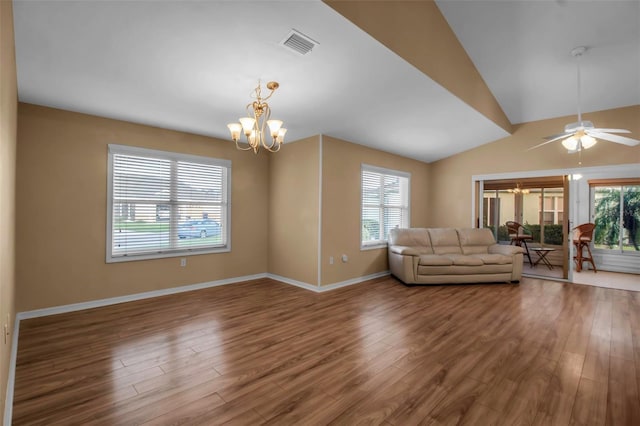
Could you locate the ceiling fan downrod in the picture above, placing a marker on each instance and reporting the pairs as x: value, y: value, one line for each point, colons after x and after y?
x: 577, y: 53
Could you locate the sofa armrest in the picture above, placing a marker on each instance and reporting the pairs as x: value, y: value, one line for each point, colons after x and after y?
x: 504, y: 249
x: 405, y: 250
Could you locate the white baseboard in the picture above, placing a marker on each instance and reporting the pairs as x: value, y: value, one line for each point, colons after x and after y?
x: 353, y: 281
x: 8, y: 401
x: 132, y: 297
x: 174, y: 290
x: 321, y: 289
x: 8, y: 410
x: 291, y: 281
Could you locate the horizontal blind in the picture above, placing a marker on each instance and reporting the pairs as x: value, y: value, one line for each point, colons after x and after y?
x: 166, y: 203
x: 385, y: 203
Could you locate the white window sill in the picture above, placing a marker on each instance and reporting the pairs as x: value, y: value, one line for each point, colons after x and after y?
x: 374, y: 247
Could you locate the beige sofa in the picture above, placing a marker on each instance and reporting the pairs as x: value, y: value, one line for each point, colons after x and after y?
x: 448, y: 255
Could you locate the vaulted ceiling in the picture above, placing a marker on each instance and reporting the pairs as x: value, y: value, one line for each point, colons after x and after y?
x: 420, y: 79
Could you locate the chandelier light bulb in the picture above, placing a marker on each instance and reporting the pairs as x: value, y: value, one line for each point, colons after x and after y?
x: 281, y: 133
x: 235, y: 129
x: 274, y: 126
x: 252, y: 137
x: 247, y: 124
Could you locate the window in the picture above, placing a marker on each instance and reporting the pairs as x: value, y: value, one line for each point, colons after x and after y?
x: 163, y: 204
x: 385, y: 204
x: 553, y: 207
x: 617, y: 229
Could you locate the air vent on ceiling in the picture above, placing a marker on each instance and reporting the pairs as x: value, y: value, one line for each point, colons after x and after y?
x: 298, y: 42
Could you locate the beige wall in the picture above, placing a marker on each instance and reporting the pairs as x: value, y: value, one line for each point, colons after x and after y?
x: 293, y: 210
x: 417, y: 32
x: 341, y: 162
x: 62, y: 202
x: 8, y: 120
x: 450, y: 178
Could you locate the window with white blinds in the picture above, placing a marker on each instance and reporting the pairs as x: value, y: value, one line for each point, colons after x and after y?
x: 163, y: 204
x: 385, y: 204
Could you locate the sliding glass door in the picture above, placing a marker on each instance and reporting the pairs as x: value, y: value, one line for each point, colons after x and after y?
x: 539, y: 205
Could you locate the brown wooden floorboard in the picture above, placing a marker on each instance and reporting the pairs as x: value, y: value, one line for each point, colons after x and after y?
x: 263, y: 352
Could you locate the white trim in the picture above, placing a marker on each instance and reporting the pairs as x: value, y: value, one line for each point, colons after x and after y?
x: 384, y: 171
x: 11, y: 377
x: 146, y: 152
x: 132, y: 297
x: 175, y: 290
x: 353, y: 281
x: 364, y: 167
x: 473, y: 205
x: 293, y: 282
x: 320, y: 161
x: 114, y: 149
x: 632, y: 167
x: 8, y: 408
x: 328, y: 287
x: 375, y: 246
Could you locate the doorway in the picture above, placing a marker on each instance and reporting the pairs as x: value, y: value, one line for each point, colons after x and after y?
x: 539, y: 205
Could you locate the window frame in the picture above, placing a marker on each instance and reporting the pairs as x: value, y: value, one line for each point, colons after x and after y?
x: 377, y: 244
x: 608, y: 183
x: 115, y: 149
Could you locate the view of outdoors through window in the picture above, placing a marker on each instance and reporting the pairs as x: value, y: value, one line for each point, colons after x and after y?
x: 616, y: 213
x: 534, y: 208
x: 385, y: 205
x: 161, y: 204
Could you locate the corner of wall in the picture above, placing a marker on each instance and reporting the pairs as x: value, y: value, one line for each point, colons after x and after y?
x: 293, y: 211
x: 8, y: 143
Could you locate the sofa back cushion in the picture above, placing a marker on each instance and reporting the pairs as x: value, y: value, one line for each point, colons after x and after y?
x: 475, y: 240
x: 444, y: 241
x: 411, y: 237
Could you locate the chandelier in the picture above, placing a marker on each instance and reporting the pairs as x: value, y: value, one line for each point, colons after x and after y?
x: 253, y: 126
x: 518, y: 190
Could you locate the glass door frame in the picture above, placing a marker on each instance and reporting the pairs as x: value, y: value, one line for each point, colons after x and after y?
x: 477, y: 208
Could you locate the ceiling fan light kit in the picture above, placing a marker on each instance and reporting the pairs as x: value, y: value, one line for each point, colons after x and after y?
x: 582, y: 134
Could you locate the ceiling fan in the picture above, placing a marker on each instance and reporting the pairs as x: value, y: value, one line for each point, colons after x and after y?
x: 582, y: 134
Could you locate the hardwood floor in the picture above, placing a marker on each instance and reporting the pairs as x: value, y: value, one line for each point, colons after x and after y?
x: 263, y: 352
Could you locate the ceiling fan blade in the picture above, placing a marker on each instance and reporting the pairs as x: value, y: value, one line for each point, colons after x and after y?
x: 613, y: 138
x: 558, y: 136
x: 609, y: 130
x: 549, y: 141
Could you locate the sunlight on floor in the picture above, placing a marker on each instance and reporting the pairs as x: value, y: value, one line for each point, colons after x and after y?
x: 608, y: 279
x: 605, y: 279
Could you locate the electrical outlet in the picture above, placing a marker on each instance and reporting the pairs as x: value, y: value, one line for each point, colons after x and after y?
x: 330, y: 260
x: 345, y: 258
x: 183, y: 262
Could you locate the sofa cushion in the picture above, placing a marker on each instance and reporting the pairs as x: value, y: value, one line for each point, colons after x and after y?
x: 435, y: 260
x: 463, y: 260
x: 493, y: 259
x: 410, y: 251
x: 412, y: 237
x: 478, y: 271
x: 475, y: 240
x: 444, y: 241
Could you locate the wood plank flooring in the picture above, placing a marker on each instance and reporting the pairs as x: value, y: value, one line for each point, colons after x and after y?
x: 263, y: 352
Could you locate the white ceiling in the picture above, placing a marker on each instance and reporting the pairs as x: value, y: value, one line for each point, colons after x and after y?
x: 191, y: 66
x: 522, y: 49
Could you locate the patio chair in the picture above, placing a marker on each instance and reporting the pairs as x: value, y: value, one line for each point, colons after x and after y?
x: 518, y: 237
x: 582, y: 237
